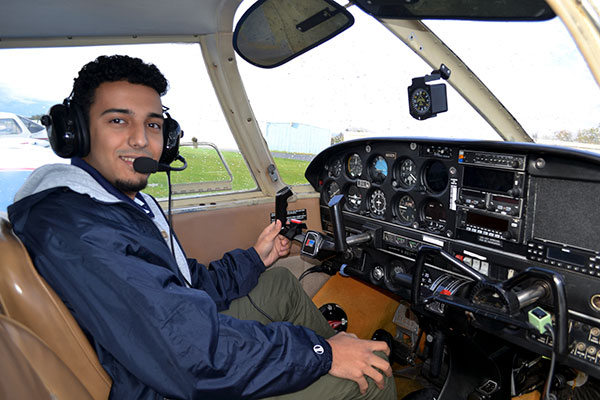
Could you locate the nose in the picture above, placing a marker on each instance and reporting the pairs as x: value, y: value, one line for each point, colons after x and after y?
x: 138, y: 138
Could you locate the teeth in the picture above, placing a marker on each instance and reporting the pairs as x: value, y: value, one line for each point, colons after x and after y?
x: 128, y: 159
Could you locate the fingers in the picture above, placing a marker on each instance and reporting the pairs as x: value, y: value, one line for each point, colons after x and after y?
x: 381, y: 364
x: 381, y: 346
x: 376, y: 376
x: 363, y: 385
x: 355, y: 359
x: 272, y: 230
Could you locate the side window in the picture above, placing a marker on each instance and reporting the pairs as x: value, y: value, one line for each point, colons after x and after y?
x: 191, y: 100
x: 8, y: 126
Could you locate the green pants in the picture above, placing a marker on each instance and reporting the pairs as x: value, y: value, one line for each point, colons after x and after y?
x: 279, y: 295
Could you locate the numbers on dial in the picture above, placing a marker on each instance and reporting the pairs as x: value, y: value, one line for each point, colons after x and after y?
x: 406, y: 210
x: 420, y: 101
x: 335, y: 169
x: 354, y: 166
x: 407, y: 173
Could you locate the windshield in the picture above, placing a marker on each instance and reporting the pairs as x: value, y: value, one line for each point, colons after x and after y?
x: 356, y: 84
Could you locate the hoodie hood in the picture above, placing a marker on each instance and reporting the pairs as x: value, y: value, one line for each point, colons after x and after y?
x: 53, y: 176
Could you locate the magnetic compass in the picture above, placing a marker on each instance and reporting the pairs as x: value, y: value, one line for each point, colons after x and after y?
x: 420, y: 101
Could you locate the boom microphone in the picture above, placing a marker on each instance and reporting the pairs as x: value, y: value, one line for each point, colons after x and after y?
x: 146, y: 165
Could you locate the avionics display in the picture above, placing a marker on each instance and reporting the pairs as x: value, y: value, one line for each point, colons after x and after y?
x: 566, y: 256
x: 566, y: 212
x: 488, y: 179
x: 486, y: 221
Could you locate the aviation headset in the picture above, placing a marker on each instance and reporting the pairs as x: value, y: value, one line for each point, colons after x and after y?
x: 69, y: 135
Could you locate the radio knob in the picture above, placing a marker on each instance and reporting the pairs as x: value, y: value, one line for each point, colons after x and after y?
x: 515, y: 192
x: 516, y: 164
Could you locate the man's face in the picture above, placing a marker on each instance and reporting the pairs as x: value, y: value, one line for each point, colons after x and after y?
x: 125, y: 123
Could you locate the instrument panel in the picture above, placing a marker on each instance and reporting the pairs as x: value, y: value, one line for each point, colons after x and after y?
x: 499, y: 207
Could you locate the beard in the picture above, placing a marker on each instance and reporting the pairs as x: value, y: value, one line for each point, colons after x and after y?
x: 131, y: 186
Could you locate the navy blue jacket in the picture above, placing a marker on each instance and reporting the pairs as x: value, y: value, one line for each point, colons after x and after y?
x: 154, y: 336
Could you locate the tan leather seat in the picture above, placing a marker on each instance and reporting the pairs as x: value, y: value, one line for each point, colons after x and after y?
x: 27, y: 298
x: 31, y: 370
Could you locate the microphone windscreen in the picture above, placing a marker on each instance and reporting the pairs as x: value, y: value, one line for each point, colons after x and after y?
x: 145, y: 165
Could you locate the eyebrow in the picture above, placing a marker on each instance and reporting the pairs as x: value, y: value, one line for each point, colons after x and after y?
x: 129, y: 112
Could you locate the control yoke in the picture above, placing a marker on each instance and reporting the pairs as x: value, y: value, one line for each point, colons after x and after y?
x: 316, y: 244
x: 337, y: 220
x: 485, y: 294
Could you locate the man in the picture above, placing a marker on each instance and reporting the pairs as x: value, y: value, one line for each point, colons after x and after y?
x: 164, y: 325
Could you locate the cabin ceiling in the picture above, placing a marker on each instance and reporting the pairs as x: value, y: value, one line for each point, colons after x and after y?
x: 45, y: 19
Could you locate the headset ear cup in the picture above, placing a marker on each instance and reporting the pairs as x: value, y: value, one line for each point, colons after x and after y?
x: 171, y: 134
x: 81, y: 131
x: 67, y: 130
x: 60, y: 131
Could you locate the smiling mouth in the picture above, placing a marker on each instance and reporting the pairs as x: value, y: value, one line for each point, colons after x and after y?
x: 128, y: 160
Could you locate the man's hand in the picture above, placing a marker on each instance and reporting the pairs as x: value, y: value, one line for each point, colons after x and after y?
x: 354, y: 359
x: 270, y: 245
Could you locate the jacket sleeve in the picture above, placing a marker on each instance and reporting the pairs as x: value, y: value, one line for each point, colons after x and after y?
x: 229, y: 278
x: 168, y: 336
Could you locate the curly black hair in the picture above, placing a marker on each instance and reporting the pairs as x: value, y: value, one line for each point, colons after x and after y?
x: 113, y: 69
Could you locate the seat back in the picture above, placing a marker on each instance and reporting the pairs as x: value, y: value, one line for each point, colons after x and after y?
x: 31, y: 370
x: 27, y: 298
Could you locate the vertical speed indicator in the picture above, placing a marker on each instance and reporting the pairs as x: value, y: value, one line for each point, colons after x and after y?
x: 406, y: 211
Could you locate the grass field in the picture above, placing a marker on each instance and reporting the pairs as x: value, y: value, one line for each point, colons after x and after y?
x: 204, y: 165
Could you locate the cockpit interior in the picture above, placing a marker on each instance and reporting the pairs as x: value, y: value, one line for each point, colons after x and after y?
x: 479, y: 260
x: 485, y: 239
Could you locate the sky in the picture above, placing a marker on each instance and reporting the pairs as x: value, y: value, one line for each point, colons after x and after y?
x: 357, y: 80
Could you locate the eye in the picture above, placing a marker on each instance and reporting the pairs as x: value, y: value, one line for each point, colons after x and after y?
x: 116, y: 121
x: 155, y: 125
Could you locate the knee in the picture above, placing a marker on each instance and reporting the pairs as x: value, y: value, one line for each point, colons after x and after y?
x: 282, y: 276
x: 285, y: 282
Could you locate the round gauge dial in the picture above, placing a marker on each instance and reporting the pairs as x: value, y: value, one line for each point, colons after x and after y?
x: 406, y: 210
x: 377, y: 203
x: 434, y: 215
x: 378, y: 169
x: 407, y: 173
x: 420, y: 101
x: 331, y: 190
x: 436, y: 176
x: 335, y: 169
x: 354, y: 198
x: 354, y: 166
